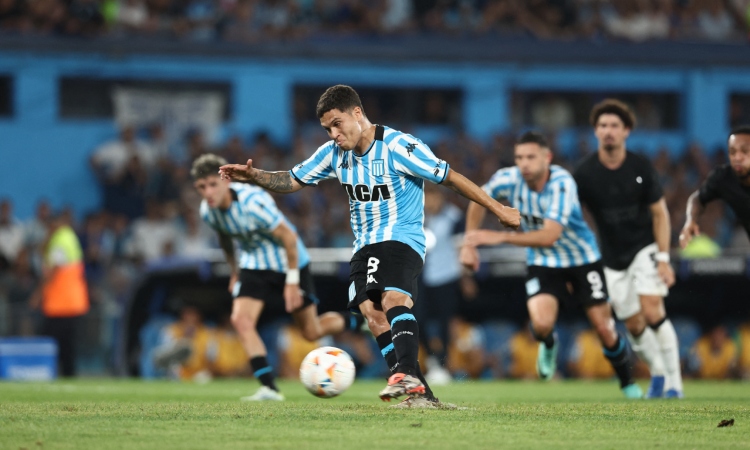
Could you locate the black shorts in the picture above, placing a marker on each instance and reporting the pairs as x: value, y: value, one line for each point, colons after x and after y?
x: 385, y: 266
x: 268, y: 286
x: 587, y: 283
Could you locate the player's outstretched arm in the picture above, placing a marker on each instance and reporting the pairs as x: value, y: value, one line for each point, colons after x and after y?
x: 469, y: 256
x: 691, y: 229
x: 292, y: 293
x: 510, y: 217
x: 545, y: 237
x: 281, y: 182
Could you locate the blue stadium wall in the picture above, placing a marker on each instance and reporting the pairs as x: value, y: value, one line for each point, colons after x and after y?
x: 44, y: 155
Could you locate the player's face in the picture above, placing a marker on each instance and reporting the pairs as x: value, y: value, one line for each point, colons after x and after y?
x: 611, y: 132
x: 343, y: 127
x: 533, y: 161
x: 739, y: 154
x: 213, y: 189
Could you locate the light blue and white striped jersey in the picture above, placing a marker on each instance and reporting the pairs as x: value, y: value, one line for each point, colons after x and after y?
x: 250, y: 221
x: 558, y: 201
x: 385, y: 185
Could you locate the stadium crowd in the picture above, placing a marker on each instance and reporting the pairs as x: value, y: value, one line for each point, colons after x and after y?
x: 149, y: 213
x: 253, y: 21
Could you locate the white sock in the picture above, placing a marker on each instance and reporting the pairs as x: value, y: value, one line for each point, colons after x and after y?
x: 647, y: 347
x: 670, y: 351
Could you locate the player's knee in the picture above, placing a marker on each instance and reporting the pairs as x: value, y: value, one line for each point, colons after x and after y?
x: 378, y: 324
x: 310, y: 333
x: 242, y: 323
x: 636, y: 324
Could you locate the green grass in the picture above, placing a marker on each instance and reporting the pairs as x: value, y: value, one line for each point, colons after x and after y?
x: 129, y: 414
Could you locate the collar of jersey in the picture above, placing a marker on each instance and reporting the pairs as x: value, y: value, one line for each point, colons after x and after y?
x: 372, y: 144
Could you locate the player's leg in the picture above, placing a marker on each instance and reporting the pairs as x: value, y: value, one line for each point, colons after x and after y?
x: 543, y: 310
x: 312, y: 325
x: 666, y: 338
x: 245, y: 314
x: 590, y: 289
x: 373, y: 313
x: 652, y: 290
x: 627, y: 307
x: 545, y: 287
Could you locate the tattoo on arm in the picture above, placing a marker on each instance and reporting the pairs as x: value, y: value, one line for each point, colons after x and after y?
x: 274, y: 181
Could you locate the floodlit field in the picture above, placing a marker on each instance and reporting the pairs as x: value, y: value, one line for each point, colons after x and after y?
x: 109, y: 414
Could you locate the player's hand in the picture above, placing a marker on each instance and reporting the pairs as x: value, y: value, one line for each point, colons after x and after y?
x: 476, y: 238
x: 510, y: 217
x: 689, y: 231
x: 666, y: 273
x: 292, y: 297
x: 469, y: 257
x: 237, y: 172
x: 232, y: 281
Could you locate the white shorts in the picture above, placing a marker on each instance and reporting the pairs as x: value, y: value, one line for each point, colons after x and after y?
x: 641, y: 278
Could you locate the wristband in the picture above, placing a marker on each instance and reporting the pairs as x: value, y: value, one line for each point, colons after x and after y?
x: 662, y: 257
x: 292, y: 276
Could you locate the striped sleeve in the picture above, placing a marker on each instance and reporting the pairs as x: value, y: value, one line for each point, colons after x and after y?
x: 501, y: 184
x: 563, y: 198
x: 262, y: 211
x: 413, y: 157
x: 316, y: 168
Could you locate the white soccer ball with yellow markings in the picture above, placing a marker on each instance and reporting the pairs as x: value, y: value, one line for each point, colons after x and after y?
x: 327, y: 372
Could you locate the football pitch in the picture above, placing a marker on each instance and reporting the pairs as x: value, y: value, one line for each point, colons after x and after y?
x: 131, y: 414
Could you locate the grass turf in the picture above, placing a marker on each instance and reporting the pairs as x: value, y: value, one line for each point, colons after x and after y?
x: 130, y: 414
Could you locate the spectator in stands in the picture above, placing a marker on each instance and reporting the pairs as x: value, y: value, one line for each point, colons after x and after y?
x: 63, y: 294
x: 12, y: 235
x: 152, y: 234
x: 185, y: 346
x: 714, y: 355
x: 466, y: 349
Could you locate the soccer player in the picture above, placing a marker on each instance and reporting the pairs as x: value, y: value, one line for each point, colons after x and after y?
x: 273, y: 265
x: 562, y: 251
x: 382, y: 171
x: 728, y: 182
x: 622, y: 191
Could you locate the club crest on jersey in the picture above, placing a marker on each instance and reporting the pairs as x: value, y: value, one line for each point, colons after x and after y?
x: 378, y: 167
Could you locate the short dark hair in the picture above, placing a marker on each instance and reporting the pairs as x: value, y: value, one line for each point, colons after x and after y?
x: 741, y: 129
x: 206, y: 165
x: 616, y: 107
x: 533, y: 137
x: 341, y: 97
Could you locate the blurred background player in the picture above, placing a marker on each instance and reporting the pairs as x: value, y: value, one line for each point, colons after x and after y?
x: 562, y: 250
x: 730, y: 183
x: 383, y: 171
x: 623, y: 193
x: 272, y: 268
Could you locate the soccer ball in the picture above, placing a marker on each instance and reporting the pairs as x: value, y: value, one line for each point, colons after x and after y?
x: 327, y: 372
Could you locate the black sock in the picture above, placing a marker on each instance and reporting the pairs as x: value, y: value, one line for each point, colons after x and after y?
x: 263, y: 372
x: 387, y: 350
x: 549, y: 340
x: 621, y: 361
x: 352, y: 322
x: 405, y: 335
